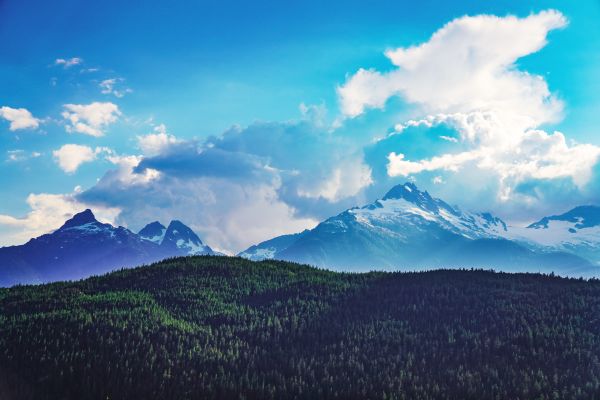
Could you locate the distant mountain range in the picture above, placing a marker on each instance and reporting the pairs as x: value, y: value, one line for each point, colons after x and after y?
x: 83, y: 247
x: 409, y: 229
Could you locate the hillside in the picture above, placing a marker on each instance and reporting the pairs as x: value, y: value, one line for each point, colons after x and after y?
x: 228, y: 328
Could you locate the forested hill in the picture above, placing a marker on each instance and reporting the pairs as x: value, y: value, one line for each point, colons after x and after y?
x: 228, y: 328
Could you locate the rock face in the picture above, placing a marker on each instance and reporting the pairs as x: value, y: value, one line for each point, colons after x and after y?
x: 409, y: 229
x: 83, y: 247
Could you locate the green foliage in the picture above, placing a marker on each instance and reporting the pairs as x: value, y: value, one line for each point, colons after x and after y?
x: 228, y: 328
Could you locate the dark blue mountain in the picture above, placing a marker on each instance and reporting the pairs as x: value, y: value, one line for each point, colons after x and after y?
x: 181, y: 239
x: 154, y: 232
x: 83, y: 247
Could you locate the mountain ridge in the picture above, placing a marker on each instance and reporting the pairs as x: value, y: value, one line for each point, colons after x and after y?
x: 83, y: 246
x: 410, y: 228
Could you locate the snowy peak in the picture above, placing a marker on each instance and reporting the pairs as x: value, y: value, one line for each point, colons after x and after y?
x: 576, y: 231
x: 412, y: 194
x: 82, y: 246
x: 581, y: 217
x: 154, y: 232
x: 405, y: 216
x: 79, y: 219
x: 405, y: 191
x: 408, y: 228
x: 491, y: 222
x: 177, y: 238
x: 181, y: 237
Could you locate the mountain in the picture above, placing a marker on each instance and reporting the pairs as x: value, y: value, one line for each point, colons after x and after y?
x: 177, y: 239
x: 268, y: 249
x: 180, y: 238
x: 154, y: 232
x: 409, y: 229
x: 83, y: 247
x: 576, y: 231
x: 229, y: 328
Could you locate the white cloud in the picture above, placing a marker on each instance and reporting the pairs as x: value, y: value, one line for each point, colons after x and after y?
x: 68, y: 62
x: 398, y: 166
x: 530, y: 154
x: 19, y: 118
x: 155, y: 143
x: 346, y: 180
x: 109, y: 86
x: 125, y: 173
x: 468, y: 65
x: 226, y: 213
x: 465, y: 77
x: 90, y: 119
x: 70, y: 156
x: 48, y: 212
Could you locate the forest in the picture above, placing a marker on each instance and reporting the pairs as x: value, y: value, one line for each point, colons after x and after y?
x: 211, y: 327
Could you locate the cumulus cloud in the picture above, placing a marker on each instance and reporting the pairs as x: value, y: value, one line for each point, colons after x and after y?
x: 492, y: 110
x: 512, y: 159
x: 48, y: 212
x: 126, y: 173
x: 467, y: 65
x: 19, y: 118
x: 229, y: 211
x: 68, y: 62
x: 243, y: 186
x: 313, y: 163
x: 90, y: 119
x: 346, y: 180
x: 157, y: 142
x: 70, y: 156
x: 398, y: 166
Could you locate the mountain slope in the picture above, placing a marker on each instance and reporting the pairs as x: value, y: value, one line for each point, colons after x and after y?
x: 224, y: 327
x: 409, y: 229
x: 269, y: 248
x: 83, y: 247
x: 180, y: 239
x: 154, y: 232
x: 577, y: 231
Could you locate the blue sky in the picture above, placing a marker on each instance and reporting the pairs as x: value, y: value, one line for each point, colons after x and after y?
x: 234, y: 110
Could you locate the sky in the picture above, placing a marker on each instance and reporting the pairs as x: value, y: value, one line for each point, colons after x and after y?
x: 247, y: 120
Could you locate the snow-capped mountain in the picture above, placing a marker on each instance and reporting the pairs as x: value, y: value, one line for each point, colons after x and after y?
x: 576, y: 231
x: 409, y: 229
x: 405, y: 206
x: 83, y: 247
x: 177, y: 238
x: 154, y: 232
